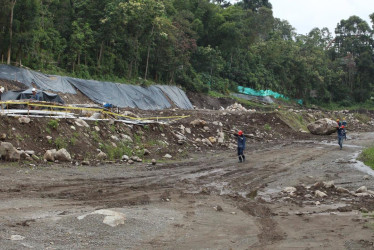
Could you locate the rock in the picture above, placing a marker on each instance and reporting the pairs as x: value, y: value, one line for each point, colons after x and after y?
x: 48, y: 137
x: 366, y: 177
x: 3, y: 136
x: 115, y: 138
x: 289, y: 189
x: 198, y: 122
x: 50, y: 155
x: 73, y: 128
x: 16, y: 237
x: 62, y: 155
x: 323, y: 126
x: 364, y: 210
x: 180, y: 137
x: 342, y: 190
x: 320, y: 194
x: 134, y: 158
x: 153, y: 161
x: 168, y: 156
x: 96, y: 115
x: 125, y: 158
x: 362, y: 189
x: 81, y: 123
x: 220, y: 140
x: 218, y: 208
x: 101, y: 156
x: 97, y: 129
x: 146, y: 152
x: 318, y: 203
x: 180, y: 151
x: 188, y: 130
x: 24, y: 120
x: 139, y: 160
x: 206, y: 128
x: 8, y: 152
x: 85, y: 163
x: 30, y: 152
x: 112, y: 218
x: 328, y: 184
x: 212, y: 139
x: 130, y: 161
x: 181, y: 142
x: 126, y: 138
x: 362, y: 194
x: 206, y: 141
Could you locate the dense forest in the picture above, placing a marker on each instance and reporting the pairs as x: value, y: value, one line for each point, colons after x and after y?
x: 200, y: 45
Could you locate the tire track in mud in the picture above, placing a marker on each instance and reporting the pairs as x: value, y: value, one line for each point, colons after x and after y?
x: 220, y: 174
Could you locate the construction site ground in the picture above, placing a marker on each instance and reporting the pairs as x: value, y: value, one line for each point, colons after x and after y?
x: 202, y: 198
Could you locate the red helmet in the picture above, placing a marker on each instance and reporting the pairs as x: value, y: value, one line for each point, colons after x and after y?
x: 343, y: 126
x: 240, y: 132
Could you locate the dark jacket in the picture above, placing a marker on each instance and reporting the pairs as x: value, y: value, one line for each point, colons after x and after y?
x: 341, y: 132
x: 241, y: 141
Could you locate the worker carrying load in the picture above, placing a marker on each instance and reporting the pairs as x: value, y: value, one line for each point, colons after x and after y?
x: 241, y: 145
x: 341, y: 135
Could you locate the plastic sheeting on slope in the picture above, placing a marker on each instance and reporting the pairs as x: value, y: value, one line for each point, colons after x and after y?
x: 120, y: 95
x: 42, y: 81
x: 177, y: 96
x: 26, y: 94
x: 123, y: 95
x: 264, y: 99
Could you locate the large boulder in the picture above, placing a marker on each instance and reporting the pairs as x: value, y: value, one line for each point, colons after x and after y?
x: 323, y: 126
x: 50, y: 155
x: 8, y: 152
x: 62, y: 155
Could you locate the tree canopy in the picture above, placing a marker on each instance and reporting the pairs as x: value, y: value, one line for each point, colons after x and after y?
x: 200, y: 45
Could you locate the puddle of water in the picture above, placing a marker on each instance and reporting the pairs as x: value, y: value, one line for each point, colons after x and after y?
x: 361, y: 166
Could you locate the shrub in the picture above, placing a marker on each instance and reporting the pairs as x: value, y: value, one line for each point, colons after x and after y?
x: 53, y: 124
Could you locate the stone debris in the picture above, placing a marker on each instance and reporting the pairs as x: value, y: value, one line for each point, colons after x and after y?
x: 320, y: 194
x: 362, y: 189
x: 112, y: 218
x: 101, y: 156
x: 289, y: 189
x: 239, y: 107
x: 81, y: 123
x: 62, y: 155
x: 168, y: 156
x: 24, y: 120
x: 8, y: 152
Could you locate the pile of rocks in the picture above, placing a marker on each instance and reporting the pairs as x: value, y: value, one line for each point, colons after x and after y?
x: 239, y: 107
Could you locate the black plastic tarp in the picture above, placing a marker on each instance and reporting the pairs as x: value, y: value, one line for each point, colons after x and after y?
x: 120, y: 95
x: 26, y: 94
x: 43, y: 81
x: 264, y: 99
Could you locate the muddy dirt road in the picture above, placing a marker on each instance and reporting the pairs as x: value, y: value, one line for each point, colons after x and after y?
x: 207, y: 202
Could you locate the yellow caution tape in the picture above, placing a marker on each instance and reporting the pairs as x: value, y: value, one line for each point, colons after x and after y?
x: 94, y: 109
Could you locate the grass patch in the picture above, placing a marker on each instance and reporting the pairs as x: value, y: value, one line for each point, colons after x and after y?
x: 267, y: 127
x: 367, y: 156
x: 53, y: 124
x: 294, y: 120
x: 362, y: 117
x: 61, y: 143
x: 115, y: 153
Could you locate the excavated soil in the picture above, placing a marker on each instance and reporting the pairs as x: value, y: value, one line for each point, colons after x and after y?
x: 201, y: 198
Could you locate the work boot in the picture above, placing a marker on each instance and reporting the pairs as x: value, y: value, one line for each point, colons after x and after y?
x: 243, y: 158
x: 240, y: 159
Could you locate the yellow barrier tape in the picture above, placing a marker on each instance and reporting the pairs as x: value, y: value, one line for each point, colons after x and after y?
x: 96, y: 110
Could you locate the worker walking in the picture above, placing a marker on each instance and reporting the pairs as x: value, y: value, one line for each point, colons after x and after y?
x: 341, y: 136
x: 241, y: 146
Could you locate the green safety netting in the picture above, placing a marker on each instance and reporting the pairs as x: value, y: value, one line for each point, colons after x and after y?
x: 250, y: 91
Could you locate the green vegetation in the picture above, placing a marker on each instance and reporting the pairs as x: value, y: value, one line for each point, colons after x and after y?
x: 116, y: 152
x: 367, y: 156
x: 362, y: 117
x: 294, y: 120
x: 203, y: 46
x: 60, y: 143
x: 95, y: 136
x: 53, y: 124
x: 267, y: 127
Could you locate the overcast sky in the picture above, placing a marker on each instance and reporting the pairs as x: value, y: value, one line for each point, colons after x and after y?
x: 304, y: 15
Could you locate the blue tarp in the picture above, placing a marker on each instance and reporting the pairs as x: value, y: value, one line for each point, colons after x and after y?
x: 253, y: 92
